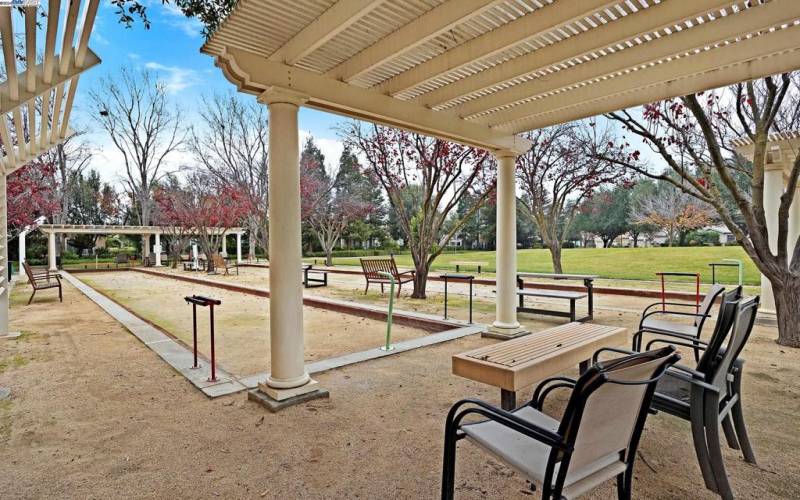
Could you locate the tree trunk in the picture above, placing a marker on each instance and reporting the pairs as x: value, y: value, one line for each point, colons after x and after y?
x: 420, y: 280
x: 555, y: 255
x: 329, y: 257
x: 787, y: 309
x: 635, y: 240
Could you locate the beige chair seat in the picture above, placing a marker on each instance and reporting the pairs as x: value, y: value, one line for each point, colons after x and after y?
x: 530, y: 456
x: 662, y: 325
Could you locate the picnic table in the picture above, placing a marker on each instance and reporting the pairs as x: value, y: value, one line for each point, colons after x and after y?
x: 314, y: 278
x: 571, y: 296
x: 473, y: 263
x: 519, y: 363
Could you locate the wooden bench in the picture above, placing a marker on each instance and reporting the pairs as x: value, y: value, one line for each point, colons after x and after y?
x: 221, y: 262
x: 516, y: 364
x: 476, y: 264
x: 374, y: 267
x: 314, y: 278
x: 571, y: 296
x: 42, y: 280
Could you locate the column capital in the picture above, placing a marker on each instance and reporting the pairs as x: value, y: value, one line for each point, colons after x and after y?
x: 505, y: 153
x: 275, y: 95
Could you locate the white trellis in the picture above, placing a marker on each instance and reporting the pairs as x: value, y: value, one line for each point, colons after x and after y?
x: 37, y: 96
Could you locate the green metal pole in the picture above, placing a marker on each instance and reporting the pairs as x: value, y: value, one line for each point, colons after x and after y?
x: 741, y: 269
x: 389, y: 346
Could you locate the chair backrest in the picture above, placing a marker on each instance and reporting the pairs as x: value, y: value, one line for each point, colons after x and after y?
x: 606, y: 412
x: 708, y: 302
x: 218, y: 260
x: 722, y: 329
x: 373, y: 267
x: 740, y: 333
x: 121, y: 258
x: 29, y: 273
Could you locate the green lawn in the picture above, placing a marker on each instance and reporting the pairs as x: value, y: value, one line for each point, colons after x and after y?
x: 616, y: 263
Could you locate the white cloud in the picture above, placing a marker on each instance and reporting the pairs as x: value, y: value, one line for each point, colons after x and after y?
x: 177, y: 78
x: 176, y: 19
x: 331, y: 148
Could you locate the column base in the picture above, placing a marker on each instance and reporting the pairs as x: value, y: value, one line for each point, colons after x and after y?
x: 496, y: 332
x: 277, y: 399
x: 10, y: 335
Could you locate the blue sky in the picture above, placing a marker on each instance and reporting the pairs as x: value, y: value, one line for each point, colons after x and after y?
x: 171, y: 49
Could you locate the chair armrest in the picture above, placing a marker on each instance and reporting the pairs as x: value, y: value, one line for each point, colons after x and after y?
x: 595, y: 356
x: 410, y: 271
x: 677, y: 304
x: 507, y: 419
x: 640, y: 334
x: 546, y: 386
x: 691, y: 379
x: 692, y: 344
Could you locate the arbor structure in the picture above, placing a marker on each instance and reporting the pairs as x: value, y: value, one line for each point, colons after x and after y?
x: 697, y: 136
x: 143, y: 126
x: 445, y: 174
x: 233, y: 146
x: 557, y: 173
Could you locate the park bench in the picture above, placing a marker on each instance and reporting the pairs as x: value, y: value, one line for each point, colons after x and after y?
x: 516, y: 364
x: 314, y: 278
x: 374, y: 267
x: 221, y: 262
x: 121, y: 258
x: 43, y: 281
x: 472, y: 263
x: 571, y: 296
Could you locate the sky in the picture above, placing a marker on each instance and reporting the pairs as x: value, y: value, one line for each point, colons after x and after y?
x: 171, y: 50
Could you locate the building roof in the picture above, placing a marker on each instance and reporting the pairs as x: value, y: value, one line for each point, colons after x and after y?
x: 482, y: 71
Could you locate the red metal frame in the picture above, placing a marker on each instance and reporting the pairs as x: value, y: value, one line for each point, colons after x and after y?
x: 197, y: 300
x: 696, y: 288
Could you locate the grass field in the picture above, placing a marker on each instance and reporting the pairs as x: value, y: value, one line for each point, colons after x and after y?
x: 616, y: 263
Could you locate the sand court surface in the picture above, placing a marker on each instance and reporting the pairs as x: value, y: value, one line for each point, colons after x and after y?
x: 242, y: 321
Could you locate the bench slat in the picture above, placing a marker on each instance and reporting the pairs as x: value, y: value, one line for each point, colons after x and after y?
x: 555, y: 294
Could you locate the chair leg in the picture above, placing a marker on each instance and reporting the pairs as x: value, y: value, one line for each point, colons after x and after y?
x: 730, y: 434
x: 715, y: 448
x: 398, y: 289
x: 367, y: 288
x: 60, y: 297
x: 30, y: 299
x: 449, y: 463
x: 624, y: 485
x: 699, y: 439
x: 738, y: 419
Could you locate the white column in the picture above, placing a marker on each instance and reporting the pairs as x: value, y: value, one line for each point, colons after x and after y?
x: 288, y: 376
x: 773, y: 190
x: 224, y: 245
x: 238, y: 248
x: 157, y: 250
x: 506, y: 324
x: 51, y: 251
x: 22, y: 250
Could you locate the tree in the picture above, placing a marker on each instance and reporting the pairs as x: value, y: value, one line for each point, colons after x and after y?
x: 209, y: 12
x: 693, y: 135
x: 643, y: 189
x: 203, y: 208
x: 605, y: 214
x: 31, y: 192
x: 144, y: 128
x: 673, y: 211
x: 91, y: 202
x: 233, y: 147
x: 172, y: 203
x: 556, y: 175
x: 328, y: 203
x: 360, y: 184
x: 443, y: 173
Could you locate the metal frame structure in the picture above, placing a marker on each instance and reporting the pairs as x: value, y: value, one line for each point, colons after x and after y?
x: 36, y: 98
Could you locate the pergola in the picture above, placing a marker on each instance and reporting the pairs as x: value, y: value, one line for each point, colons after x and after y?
x: 51, y: 230
x: 477, y: 72
x: 36, y: 96
x: 782, y: 151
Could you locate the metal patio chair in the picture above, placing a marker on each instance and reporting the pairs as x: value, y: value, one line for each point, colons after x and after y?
x: 595, y: 440
x: 710, y: 395
x: 661, y: 322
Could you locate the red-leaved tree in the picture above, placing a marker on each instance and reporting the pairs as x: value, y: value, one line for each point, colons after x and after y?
x: 204, y: 209
x: 32, y: 192
x: 425, y: 179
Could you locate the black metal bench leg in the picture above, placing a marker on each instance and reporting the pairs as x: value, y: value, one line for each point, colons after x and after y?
x: 572, y: 310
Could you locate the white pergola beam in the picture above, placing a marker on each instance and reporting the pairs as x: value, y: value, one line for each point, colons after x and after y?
x: 338, y: 97
x: 68, y: 38
x: 712, y: 69
x: 86, y: 32
x: 333, y: 21
x: 522, y: 29
x: 9, y: 54
x: 755, y: 19
x: 653, y: 19
x: 50, y: 39
x: 433, y: 23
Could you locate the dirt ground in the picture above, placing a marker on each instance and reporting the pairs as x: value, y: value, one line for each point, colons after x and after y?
x: 96, y: 414
x: 242, y: 321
